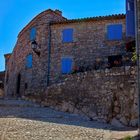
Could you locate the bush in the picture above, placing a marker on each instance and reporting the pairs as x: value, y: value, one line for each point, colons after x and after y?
x: 128, y: 138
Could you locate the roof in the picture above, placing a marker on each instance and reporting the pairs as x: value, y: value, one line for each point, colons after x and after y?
x: 38, y: 16
x: 99, y: 18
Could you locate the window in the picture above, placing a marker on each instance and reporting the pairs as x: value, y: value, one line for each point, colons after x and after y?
x: 67, y: 35
x: 130, y: 18
x: 33, y: 34
x: 29, y: 60
x: 114, y: 32
x: 130, y: 46
x: 66, y: 65
x: 115, y: 61
x: 130, y: 5
x: 26, y: 86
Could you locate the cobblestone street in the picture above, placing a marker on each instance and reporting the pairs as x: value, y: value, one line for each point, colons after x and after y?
x: 22, y: 120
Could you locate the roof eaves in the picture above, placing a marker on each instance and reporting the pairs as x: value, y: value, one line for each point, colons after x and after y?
x: 116, y: 16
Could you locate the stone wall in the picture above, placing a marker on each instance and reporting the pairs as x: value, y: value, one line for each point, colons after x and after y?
x: 90, y: 45
x: 105, y: 95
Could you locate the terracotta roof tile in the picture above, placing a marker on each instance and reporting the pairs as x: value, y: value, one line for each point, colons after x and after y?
x: 116, y: 16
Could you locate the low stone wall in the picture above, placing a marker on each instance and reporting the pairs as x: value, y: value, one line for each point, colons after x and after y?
x: 105, y: 95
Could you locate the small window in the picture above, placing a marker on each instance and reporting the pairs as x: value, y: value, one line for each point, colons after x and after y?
x: 29, y: 60
x: 115, y: 61
x: 66, y: 65
x: 67, y: 35
x: 130, y: 46
x: 33, y: 34
x: 130, y: 6
x: 114, y: 32
x: 130, y: 19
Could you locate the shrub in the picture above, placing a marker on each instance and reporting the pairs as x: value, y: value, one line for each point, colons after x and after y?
x: 128, y: 138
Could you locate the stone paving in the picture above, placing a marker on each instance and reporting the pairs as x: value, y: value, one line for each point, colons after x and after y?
x: 22, y: 120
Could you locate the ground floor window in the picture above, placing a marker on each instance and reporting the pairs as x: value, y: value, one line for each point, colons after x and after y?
x: 130, y: 46
x: 115, y: 61
x: 66, y: 65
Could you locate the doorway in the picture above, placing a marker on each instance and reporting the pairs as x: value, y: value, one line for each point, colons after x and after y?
x: 18, y: 85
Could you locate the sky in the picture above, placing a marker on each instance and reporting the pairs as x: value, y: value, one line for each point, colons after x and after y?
x: 16, y: 14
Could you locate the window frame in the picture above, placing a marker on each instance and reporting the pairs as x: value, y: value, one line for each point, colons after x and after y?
x: 64, y: 40
x: 27, y: 65
x: 33, y: 33
x: 115, y: 58
x: 111, y: 24
x: 72, y: 65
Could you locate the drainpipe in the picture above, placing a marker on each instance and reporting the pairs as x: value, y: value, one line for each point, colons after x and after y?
x: 49, y: 54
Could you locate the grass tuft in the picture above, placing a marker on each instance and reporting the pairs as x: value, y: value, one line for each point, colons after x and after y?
x: 127, y: 138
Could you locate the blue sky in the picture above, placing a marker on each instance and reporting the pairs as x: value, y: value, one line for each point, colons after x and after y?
x: 15, y: 14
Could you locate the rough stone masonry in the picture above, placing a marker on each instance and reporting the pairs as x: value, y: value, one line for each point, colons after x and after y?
x: 102, y: 80
x: 88, y: 47
x: 106, y: 95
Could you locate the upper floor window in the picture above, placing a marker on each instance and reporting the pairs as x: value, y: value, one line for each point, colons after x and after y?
x: 67, y: 35
x: 29, y: 61
x: 66, y: 65
x: 130, y: 18
x: 130, y: 5
x: 33, y: 34
x: 114, y: 32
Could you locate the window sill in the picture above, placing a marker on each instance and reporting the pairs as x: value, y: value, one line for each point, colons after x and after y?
x: 68, y: 42
x: 114, y: 40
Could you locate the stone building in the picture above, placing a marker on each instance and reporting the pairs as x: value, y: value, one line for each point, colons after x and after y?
x: 2, y: 76
x: 25, y: 70
x: 51, y: 46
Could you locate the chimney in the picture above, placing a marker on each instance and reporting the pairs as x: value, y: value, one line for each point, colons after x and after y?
x: 58, y: 12
x: 7, y: 57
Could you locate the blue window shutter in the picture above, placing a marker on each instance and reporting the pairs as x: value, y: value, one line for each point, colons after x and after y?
x: 67, y: 35
x: 130, y: 18
x: 114, y: 32
x: 33, y: 34
x: 29, y: 60
x: 66, y: 65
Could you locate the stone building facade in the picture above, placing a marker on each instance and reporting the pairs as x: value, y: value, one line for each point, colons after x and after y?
x: 19, y: 77
x: 88, y: 47
x: 80, y: 66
